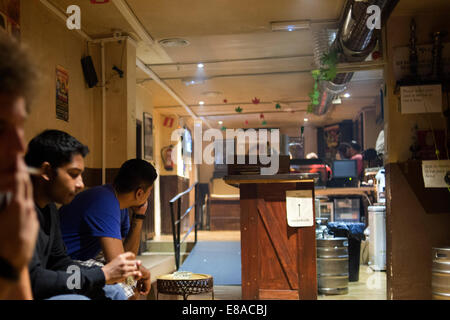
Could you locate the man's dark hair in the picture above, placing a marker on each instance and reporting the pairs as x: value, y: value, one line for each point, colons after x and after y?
x: 55, y: 147
x: 135, y: 174
x: 355, y: 145
x: 343, y: 147
x: 17, y: 74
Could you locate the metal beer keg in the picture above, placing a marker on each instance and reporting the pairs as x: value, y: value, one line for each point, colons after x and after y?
x: 332, y: 265
x: 440, y: 276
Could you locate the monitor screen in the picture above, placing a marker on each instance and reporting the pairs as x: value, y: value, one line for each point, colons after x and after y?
x: 344, y: 169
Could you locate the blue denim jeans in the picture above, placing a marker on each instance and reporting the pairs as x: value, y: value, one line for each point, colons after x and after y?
x: 114, y: 292
x: 69, y: 297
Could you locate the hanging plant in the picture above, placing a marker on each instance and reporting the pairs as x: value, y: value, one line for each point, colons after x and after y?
x: 264, y: 122
x: 238, y: 109
x: 326, y: 73
x: 278, y: 106
x: 256, y: 101
x: 261, y: 116
x: 223, y: 128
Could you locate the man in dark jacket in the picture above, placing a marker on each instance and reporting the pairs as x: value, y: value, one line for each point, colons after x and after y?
x: 60, y: 157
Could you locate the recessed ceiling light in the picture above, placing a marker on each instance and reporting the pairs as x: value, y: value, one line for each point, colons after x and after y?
x: 306, y: 119
x: 211, y: 94
x: 347, y: 95
x: 220, y: 122
x: 174, y: 42
x: 192, y: 81
x: 201, y: 103
x: 200, y: 66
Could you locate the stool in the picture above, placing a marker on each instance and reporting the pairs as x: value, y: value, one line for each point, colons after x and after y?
x: 196, y: 284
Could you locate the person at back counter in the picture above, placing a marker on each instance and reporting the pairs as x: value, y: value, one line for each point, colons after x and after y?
x: 351, y: 151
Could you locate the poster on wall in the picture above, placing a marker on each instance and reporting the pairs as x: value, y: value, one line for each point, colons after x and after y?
x: 148, y: 137
x: 62, y: 94
x: 10, y: 17
x: 332, y: 136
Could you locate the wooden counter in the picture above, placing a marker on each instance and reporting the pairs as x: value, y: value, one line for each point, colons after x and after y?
x: 278, y: 261
x: 344, y: 191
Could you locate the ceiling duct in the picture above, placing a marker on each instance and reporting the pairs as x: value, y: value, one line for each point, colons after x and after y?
x: 353, y: 40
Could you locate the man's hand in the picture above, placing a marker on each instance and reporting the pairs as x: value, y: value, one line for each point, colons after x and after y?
x: 144, y: 284
x: 141, y: 209
x: 122, y: 267
x: 19, y: 225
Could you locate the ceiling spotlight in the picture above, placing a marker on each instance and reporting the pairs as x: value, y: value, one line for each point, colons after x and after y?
x: 201, y: 103
x: 221, y: 122
x: 306, y: 119
x: 347, y: 95
x: 291, y: 25
x: 200, y: 66
x: 192, y: 81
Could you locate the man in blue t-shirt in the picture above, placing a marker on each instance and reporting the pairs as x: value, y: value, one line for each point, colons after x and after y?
x: 92, y: 215
x: 97, y: 220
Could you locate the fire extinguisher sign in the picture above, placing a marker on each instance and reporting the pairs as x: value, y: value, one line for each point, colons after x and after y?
x: 168, y: 122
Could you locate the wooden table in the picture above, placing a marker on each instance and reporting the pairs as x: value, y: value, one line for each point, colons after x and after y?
x: 278, y: 261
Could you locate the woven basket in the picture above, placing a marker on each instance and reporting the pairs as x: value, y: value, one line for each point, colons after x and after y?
x: 196, y: 284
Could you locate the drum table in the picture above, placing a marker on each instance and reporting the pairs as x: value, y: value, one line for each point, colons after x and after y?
x: 195, y: 283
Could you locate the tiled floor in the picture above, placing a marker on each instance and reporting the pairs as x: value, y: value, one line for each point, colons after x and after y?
x: 203, y: 235
x: 371, y: 285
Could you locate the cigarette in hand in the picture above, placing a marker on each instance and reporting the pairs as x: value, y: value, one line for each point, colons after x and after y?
x: 34, y: 171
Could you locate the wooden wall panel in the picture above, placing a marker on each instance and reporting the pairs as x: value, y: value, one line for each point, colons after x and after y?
x: 274, y: 254
x: 249, y: 243
x: 224, y: 214
x: 411, y: 233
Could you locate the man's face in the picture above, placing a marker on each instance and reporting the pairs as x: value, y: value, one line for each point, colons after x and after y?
x: 12, y: 143
x: 142, y: 196
x: 68, y: 181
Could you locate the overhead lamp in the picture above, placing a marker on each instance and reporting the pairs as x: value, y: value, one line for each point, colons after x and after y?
x: 192, y: 81
x: 200, y: 65
x: 347, y: 95
x: 291, y: 25
x: 306, y: 119
x: 201, y: 103
x: 221, y: 122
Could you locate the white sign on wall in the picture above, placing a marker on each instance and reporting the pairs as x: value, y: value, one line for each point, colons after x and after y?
x: 299, y: 207
x: 421, y: 99
x: 434, y: 173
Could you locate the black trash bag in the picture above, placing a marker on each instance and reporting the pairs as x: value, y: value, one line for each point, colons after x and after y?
x: 350, y: 230
x: 354, y: 231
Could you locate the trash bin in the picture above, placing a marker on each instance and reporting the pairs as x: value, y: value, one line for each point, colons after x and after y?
x: 354, y: 231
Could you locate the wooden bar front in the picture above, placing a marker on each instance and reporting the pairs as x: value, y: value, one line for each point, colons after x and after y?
x: 278, y: 261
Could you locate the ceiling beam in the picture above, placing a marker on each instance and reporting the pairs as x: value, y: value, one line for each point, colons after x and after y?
x: 231, y: 60
x: 238, y: 75
x: 250, y: 113
x: 131, y: 18
x: 234, y: 104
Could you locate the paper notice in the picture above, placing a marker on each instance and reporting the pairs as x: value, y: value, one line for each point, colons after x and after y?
x: 435, y: 172
x: 299, y: 207
x: 421, y: 99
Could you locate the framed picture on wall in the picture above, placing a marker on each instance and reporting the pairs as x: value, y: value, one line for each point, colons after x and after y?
x: 148, y: 137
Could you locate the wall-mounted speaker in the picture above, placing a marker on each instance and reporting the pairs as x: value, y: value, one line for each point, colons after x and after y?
x: 89, y: 71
